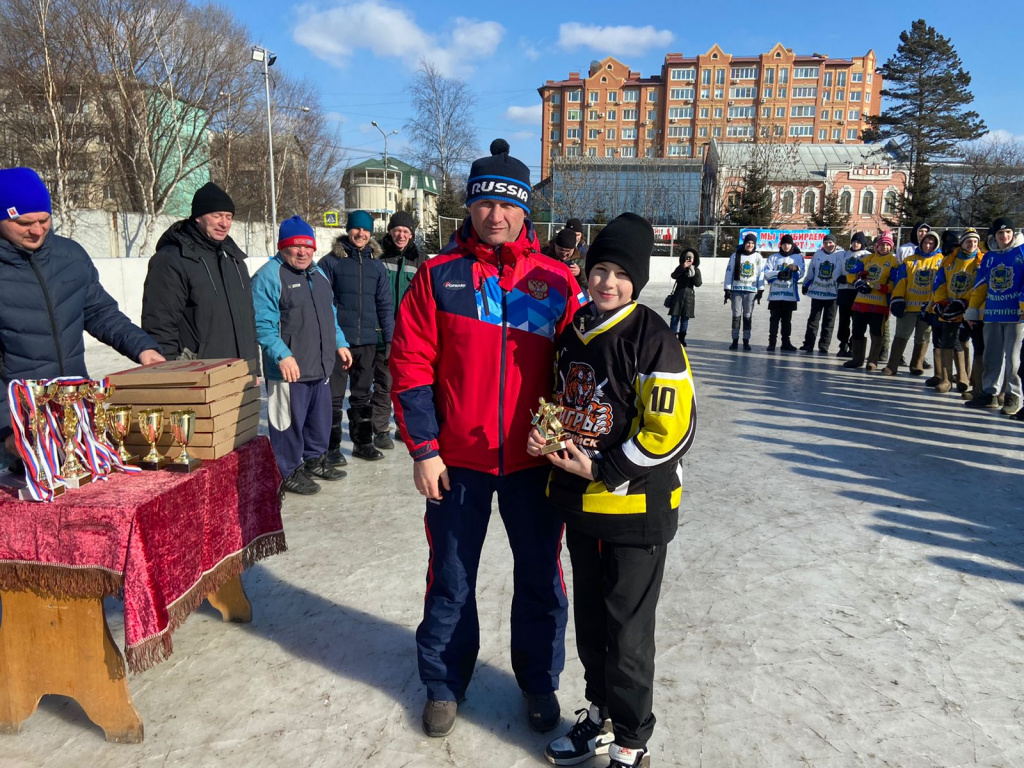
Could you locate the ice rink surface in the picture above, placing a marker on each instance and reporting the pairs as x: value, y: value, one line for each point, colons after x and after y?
x: 846, y: 589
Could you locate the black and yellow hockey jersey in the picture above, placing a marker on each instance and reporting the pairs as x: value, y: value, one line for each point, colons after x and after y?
x: 627, y: 398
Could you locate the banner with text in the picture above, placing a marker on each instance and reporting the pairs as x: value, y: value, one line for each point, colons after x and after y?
x: 806, y: 240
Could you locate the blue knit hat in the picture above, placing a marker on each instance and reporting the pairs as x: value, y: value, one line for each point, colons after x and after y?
x: 22, y: 192
x: 499, y: 177
x: 295, y: 231
x: 359, y: 220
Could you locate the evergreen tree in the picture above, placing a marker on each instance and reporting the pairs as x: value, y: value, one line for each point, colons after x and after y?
x: 928, y: 95
x: 833, y: 218
x: 752, y: 205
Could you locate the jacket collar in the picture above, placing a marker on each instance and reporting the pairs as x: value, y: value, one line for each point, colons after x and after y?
x: 343, y: 248
x: 192, y: 242
x: 12, y: 254
x: 506, y: 254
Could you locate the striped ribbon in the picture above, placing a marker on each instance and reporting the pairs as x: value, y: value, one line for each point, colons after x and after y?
x: 41, y: 459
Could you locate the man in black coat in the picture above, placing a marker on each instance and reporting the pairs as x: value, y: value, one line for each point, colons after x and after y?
x: 50, y: 294
x: 197, y: 302
x: 362, y: 298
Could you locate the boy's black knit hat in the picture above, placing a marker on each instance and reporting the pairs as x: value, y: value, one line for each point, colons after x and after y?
x: 1003, y: 222
x: 786, y: 238
x: 628, y: 241
x: 210, y: 198
x: 860, y: 237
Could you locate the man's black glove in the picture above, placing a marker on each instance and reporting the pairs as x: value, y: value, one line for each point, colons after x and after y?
x: 758, y: 295
x: 954, y: 309
x: 785, y: 274
x: 805, y: 289
x: 862, y: 285
x: 728, y: 295
x: 898, y: 307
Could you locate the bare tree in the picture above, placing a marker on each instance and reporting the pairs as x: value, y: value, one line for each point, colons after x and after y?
x: 442, y: 131
x: 987, y: 182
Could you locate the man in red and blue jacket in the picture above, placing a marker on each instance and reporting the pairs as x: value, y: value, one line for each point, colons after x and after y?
x: 473, y: 352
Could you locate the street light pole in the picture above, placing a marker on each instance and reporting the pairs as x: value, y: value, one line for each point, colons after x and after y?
x: 268, y: 58
x: 385, y: 135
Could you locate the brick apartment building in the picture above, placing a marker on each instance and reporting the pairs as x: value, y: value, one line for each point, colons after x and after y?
x: 614, y: 112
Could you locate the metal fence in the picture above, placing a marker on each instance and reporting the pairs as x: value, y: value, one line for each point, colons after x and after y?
x: 671, y: 239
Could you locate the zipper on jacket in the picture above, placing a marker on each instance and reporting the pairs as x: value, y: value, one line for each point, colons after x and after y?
x: 359, y: 301
x: 483, y: 293
x: 501, y: 371
x: 320, y: 328
x: 49, y: 311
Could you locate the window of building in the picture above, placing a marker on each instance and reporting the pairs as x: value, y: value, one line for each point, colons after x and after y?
x: 572, y: 133
x: 705, y: 112
x: 652, y: 96
x: 650, y: 134
x: 826, y: 95
x: 867, y: 96
x: 593, y: 133
x: 628, y: 151
x: 741, y: 111
x: 574, y: 115
x: 556, y: 98
x: 690, y: 73
x: 801, y: 130
x: 593, y: 114
x: 702, y: 132
x: 700, y: 150
x: 705, y: 77
x: 856, y: 77
x: 890, y: 202
x: 705, y: 93
x: 719, y: 77
x: 555, y: 134
x: 716, y: 133
x: 766, y: 112
x: 837, y: 114
x: 613, y: 97
x: 679, y: 150
x: 822, y: 134
x: 680, y: 93
x: 593, y: 97
x: 629, y: 134
x: 780, y: 111
x: 867, y: 202
x: 786, y: 205
x: 631, y: 95
x: 827, y: 80
x: 809, y: 201
x: 574, y: 96
x: 766, y: 93
x: 553, y: 152
x: 680, y: 113
x: 631, y: 114
x: 782, y: 91
x: 719, y: 93
x: 744, y: 73
x: 845, y: 201
x: 778, y: 130
x: 572, y: 151
x: 801, y: 111
x: 591, y: 151
x: 805, y: 93
x: 840, y: 94
x: 742, y: 93
x: 851, y: 134
x: 649, y: 152
x: 556, y: 117
x: 612, y: 114
x: 718, y: 112
x: 837, y: 134
x: 679, y: 132
x: 840, y: 78
x: 854, y: 96
x: 652, y: 115
x: 805, y: 73
x: 764, y: 130
x: 609, y: 152
x: 610, y: 134
x: 739, y: 130
x: 769, y: 75
x: 855, y: 114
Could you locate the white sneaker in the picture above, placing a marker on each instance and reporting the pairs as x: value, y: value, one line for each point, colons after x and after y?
x: 1011, y: 405
x: 623, y: 756
x: 591, y: 736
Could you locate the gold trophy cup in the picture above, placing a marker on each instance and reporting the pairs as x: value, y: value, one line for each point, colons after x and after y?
x: 73, y: 473
x: 546, y: 420
x: 119, y: 423
x: 42, y: 394
x: 183, y: 426
x: 151, y: 424
x: 98, y: 395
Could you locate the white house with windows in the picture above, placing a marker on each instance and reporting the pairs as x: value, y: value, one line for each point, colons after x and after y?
x: 869, y: 178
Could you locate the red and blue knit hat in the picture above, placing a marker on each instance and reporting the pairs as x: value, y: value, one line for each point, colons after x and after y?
x: 22, y: 192
x: 499, y: 177
x: 295, y: 231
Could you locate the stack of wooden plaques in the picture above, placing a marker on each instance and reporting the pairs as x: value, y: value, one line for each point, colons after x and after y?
x: 224, y: 395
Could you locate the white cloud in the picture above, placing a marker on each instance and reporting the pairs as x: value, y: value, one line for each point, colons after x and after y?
x: 386, y: 31
x: 617, y: 41
x: 529, y: 115
x: 1002, y: 136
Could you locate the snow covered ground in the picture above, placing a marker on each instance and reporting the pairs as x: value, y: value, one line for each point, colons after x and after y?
x: 846, y: 589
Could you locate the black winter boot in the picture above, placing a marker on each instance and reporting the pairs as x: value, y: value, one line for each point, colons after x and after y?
x: 360, y: 427
x: 334, y: 454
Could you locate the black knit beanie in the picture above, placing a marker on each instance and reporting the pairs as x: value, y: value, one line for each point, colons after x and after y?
x: 786, y: 238
x: 210, y: 198
x: 499, y: 177
x: 575, y: 225
x: 860, y: 237
x: 565, y: 238
x: 628, y: 241
x: 402, y: 219
x: 1003, y: 222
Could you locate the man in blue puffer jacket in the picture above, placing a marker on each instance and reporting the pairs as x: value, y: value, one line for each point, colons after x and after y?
x: 50, y: 294
x: 362, y: 298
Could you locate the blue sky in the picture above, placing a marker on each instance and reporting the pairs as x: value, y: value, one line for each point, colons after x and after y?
x: 362, y: 54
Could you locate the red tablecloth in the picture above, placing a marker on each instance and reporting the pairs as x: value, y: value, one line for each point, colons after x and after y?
x: 164, y: 540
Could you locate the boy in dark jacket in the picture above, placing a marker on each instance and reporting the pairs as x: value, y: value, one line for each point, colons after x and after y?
x: 300, y: 337
x: 366, y: 314
x: 617, y: 484
x: 197, y: 300
x: 563, y: 248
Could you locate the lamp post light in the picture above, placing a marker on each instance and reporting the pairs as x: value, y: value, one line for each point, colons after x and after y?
x: 267, y: 58
x: 385, y: 135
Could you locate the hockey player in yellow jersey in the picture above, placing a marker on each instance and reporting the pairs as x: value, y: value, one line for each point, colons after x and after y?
x: 627, y: 399
x: 871, y: 307
x: 952, y: 295
x: 915, y: 280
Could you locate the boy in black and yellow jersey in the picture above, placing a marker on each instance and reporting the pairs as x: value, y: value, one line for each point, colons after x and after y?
x: 627, y: 403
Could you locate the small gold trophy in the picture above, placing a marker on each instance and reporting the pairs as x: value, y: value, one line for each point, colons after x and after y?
x: 119, y: 424
x: 98, y: 395
x: 183, y: 426
x: 546, y: 420
x: 73, y: 473
x: 151, y: 424
x: 42, y: 394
